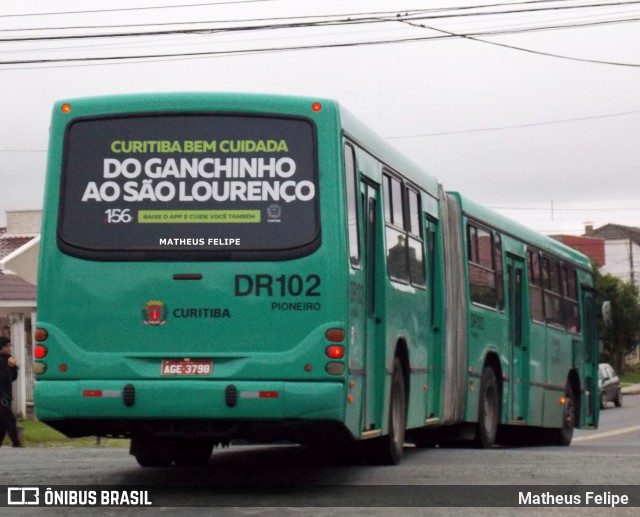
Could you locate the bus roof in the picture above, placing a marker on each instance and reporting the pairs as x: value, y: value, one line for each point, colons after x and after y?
x: 385, y: 152
x: 352, y: 127
x: 523, y: 233
x: 262, y: 103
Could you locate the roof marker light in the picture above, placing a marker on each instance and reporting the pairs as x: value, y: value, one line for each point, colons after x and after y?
x: 316, y: 106
x: 66, y: 108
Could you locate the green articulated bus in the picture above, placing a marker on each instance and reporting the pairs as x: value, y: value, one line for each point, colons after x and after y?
x: 219, y: 267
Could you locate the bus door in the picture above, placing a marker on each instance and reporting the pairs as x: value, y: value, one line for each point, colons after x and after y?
x: 373, y: 397
x: 519, y: 370
x: 590, y: 357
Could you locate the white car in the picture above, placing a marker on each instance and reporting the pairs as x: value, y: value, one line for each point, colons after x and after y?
x: 609, y: 385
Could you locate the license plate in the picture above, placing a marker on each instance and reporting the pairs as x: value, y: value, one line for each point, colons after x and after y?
x: 181, y: 367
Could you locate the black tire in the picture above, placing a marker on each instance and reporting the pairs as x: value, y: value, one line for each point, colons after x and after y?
x: 564, y: 435
x: 388, y: 449
x: 149, y: 452
x: 423, y: 440
x: 603, y: 400
x: 195, y: 453
x: 488, y: 410
x: 618, y: 400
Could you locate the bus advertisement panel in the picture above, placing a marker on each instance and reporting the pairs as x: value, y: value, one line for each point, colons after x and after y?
x: 188, y: 183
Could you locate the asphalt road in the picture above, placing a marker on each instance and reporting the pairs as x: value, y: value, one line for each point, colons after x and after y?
x: 284, y: 476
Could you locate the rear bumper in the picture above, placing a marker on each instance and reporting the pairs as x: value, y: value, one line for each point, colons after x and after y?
x: 189, y: 400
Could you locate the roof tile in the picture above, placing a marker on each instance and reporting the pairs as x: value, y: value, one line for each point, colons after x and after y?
x: 10, y: 244
x: 12, y: 287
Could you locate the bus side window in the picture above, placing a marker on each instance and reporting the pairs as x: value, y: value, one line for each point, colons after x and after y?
x: 552, y: 295
x: 535, y: 286
x: 571, y: 311
x: 497, y: 250
x: 352, y: 206
x: 397, y: 263
x: 482, y: 272
x: 416, y: 246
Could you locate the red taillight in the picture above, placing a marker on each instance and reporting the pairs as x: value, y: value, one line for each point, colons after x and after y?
x: 40, y: 351
x: 335, y: 351
x: 335, y: 335
x: 40, y: 334
x: 92, y: 393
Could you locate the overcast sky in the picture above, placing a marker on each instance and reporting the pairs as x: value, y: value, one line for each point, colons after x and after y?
x: 550, y: 140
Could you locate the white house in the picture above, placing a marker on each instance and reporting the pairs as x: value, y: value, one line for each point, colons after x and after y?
x: 19, y: 248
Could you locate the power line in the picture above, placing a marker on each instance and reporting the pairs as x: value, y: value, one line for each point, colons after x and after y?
x: 473, y: 37
x: 406, y: 18
x: 382, y: 17
x: 23, y: 150
x: 250, y: 20
x: 514, y: 126
x: 411, y: 14
x: 165, y: 56
x: 556, y: 209
x: 128, y: 9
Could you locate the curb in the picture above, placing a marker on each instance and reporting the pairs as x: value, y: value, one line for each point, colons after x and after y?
x: 631, y: 390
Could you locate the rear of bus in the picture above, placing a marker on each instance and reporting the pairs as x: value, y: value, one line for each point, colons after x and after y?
x: 193, y: 273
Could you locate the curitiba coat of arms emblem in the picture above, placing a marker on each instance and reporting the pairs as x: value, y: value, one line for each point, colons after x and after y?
x: 154, y: 313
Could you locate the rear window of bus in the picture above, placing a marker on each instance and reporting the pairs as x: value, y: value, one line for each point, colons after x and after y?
x: 197, y: 185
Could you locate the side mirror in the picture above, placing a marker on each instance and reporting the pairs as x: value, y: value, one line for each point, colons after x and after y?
x: 607, y: 314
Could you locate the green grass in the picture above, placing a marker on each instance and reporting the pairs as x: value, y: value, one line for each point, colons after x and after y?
x: 37, y: 434
x: 630, y: 376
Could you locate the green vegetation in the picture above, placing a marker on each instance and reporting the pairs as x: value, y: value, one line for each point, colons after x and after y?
x: 37, y: 434
x: 630, y: 376
x: 624, y: 334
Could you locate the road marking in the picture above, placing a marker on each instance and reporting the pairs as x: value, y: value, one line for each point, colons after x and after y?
x: 609, y: 433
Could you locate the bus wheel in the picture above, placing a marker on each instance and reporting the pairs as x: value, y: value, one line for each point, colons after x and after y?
x: 194, y: 454
x: 564, y: 435
x: 488, y: 410
x: 388, y: 449
x: 148, y: 452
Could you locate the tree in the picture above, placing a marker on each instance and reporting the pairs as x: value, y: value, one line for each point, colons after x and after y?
x: 624, y: 334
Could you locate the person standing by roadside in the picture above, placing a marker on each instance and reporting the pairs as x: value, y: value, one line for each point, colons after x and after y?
x: 8, y: 374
